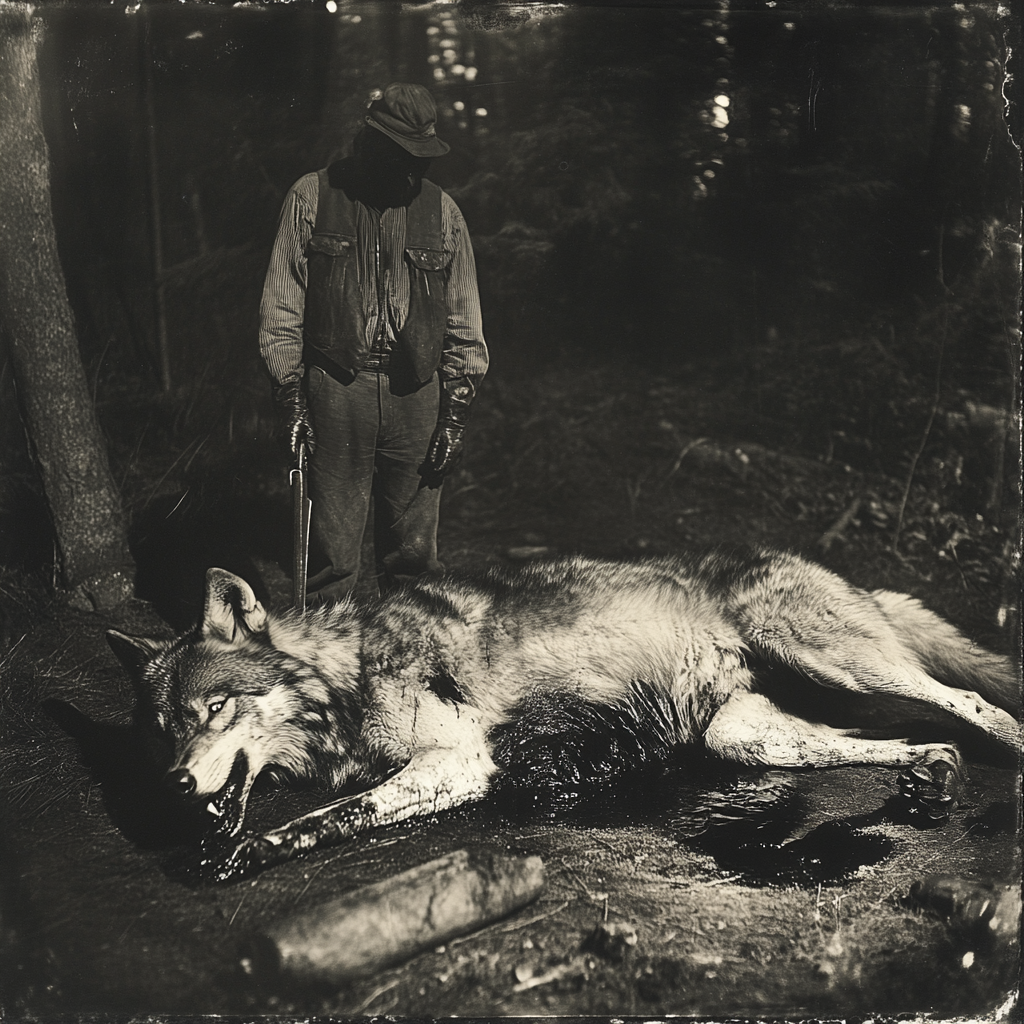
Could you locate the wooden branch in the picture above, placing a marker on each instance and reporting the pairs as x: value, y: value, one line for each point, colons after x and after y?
x: 381, y: 925
x: 838, y: 528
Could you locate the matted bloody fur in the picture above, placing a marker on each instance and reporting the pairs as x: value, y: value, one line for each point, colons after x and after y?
x: 409, y: 694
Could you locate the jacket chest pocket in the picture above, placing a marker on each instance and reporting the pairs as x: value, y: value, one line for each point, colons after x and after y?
x: 327, y: 262
x: 432, y: 260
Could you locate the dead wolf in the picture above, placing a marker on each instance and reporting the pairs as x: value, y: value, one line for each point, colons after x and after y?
x: 410, y: 696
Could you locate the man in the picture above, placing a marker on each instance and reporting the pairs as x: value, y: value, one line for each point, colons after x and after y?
x: 370, y: 327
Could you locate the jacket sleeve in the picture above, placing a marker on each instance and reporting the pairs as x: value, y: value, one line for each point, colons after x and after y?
x: 284, y: 289
x: 465, y: 351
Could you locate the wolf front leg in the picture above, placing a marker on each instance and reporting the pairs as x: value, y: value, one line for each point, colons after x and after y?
x: 750, y: 729
x: 433, y: 780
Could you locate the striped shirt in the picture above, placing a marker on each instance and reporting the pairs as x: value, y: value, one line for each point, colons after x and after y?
x: 385, y: 284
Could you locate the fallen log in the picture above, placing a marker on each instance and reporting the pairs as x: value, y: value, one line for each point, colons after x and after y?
x: 380, y: 925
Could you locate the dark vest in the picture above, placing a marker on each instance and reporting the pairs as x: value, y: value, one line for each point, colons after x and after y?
x: 334, y: 326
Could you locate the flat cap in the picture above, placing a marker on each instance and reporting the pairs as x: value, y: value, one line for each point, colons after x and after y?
x: 407, y: 114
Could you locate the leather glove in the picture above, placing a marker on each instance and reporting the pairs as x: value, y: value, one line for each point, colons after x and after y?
x: 445, y: 449
x: 289, y: 395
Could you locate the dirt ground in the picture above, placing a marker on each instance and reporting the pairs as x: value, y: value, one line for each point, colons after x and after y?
x: 725, y: 924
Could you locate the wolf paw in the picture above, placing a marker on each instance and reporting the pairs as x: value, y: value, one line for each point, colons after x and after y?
x: 932, y: 788
x: 219, y: 861
x: 235, y: 862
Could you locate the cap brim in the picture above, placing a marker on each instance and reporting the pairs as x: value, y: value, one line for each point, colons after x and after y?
x: 424, y: 148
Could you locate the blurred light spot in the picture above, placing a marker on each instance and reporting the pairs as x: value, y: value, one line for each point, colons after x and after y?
x: 480, y: 111
x: 459, y: 105
x: 432, y: 30
x: 356, y: 18
x: 449, y: 55
x: 722, y: 100
x: 470, y: 74
x: 331, y: 6
x: 789, y: 26
x: 721, y: 40
x: 459, y: 69
x: 709, y: 173
x: 434, y: 59
x: 438, y: 73
x: 194, y: 35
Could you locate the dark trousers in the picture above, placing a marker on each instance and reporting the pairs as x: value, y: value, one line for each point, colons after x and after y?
x: 372, y: 437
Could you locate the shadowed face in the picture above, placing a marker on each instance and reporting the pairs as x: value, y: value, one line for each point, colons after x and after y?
x: 391, y: 174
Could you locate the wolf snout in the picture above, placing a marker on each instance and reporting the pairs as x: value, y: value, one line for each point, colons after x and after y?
x: 181, y: 781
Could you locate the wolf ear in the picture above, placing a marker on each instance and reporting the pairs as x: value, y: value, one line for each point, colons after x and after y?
x: 134, y: 651
x: 230, y: 604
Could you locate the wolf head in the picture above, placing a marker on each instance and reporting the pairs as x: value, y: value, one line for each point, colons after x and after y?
x: 243, y: 682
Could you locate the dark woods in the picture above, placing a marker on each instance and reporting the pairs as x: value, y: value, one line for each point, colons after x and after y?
x: 811, y: 215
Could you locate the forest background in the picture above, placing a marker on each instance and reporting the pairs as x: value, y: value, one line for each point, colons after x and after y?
x: 807, y: 221
x: 749, y: 273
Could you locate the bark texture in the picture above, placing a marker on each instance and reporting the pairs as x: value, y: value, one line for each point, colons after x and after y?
x: 38, y: 327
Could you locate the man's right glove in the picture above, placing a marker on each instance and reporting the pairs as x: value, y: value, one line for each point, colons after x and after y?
x: 289, y: 395
x: 445, y: 449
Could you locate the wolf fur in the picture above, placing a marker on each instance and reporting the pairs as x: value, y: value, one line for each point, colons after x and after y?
x: 411, y: 695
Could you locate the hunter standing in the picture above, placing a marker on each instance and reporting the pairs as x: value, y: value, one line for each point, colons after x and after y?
x: 370, y: 327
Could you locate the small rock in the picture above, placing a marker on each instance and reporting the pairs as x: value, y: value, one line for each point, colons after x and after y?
x: 525, y: 552
x: 611, y: 940
x: 978, y: 912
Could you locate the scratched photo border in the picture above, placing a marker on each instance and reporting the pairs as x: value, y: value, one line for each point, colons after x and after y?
x: 500, y: 16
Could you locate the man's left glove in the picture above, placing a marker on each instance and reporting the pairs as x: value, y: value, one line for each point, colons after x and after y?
x: 289, y: 395
x: 445, y: 449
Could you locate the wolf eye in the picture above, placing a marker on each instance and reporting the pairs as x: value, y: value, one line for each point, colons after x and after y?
x: 216, y: 706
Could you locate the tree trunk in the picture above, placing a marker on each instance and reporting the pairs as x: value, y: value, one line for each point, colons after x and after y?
x: 37, y: 326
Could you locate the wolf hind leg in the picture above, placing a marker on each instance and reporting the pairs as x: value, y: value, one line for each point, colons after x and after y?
x: 812, y: 620
x: 869, y: 670
x: 434, y: 780
x: 947, y: 654
x: 750, y: 729
x: 856, y: 649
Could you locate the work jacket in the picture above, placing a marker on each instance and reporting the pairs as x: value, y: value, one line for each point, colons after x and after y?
x: 334, y: 329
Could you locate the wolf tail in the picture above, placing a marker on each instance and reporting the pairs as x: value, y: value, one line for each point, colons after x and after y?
x: 945, y: 653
